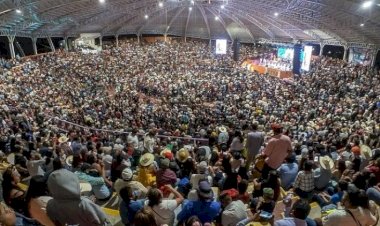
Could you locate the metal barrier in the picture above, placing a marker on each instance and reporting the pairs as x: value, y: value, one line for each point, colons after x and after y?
x: 54, y: 119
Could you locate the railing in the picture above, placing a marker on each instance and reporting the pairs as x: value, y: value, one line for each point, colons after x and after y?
x: 55, y: 120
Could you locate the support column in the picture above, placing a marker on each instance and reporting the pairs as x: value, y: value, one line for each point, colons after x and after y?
x: 66, y: 39
x: 374, y: 57
x: 11, y: 39
x: 345, y: 53
x: 138, y: 39
x: 117, y: 40
x: 51, y: 44
x: 321, y: 46
x: 165, y: 35
x: 101, y: 41
x: 34, y: 43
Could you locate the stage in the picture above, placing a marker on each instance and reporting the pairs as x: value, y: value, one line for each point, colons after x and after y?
x: 252, y: 66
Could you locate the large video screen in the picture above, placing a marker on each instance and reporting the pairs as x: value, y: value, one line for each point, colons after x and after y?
x: 285, y: 53
x: 221, y: 46
x: 308, y: 50
x: 360, y: 56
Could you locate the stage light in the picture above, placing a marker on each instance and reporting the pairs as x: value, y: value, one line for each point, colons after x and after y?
x: 192, y: 2
x: 102, y: 1
x: 18, y: 11
x: 275, y: 14
x: 160, y: 4
x: 146, y: 16
x: 190, y: 8
x: 367, y: 4
x: 222, y: 6
x: 361, y: 25
x: 216, y: 18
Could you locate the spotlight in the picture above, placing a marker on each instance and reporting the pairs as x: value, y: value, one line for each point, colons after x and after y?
x: 102, y: 1
x: 367, y: 4
x: 160, y: 4
x: 146, y: 16
x: 190, y: 8
x: 275, y: 14
x: 18, y: 11
x: 361, y: 25
x: 192, y: 2
x: 222, y: 6
x: 216, y: 18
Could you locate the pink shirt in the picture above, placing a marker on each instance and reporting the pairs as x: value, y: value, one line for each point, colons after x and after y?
x: 277, y: 150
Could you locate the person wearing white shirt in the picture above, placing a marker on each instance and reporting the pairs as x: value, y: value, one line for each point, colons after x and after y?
x: 150, y: 141
x: 234, y: 211
x: 133, y: 140
x: 299, y: 212
x: 356, y: 210
x: 163, y: 209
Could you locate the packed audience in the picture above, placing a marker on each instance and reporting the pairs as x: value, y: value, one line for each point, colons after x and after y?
x: 175, y: 135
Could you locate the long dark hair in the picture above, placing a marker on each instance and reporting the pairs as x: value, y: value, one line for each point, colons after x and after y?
x: 37, y: 188
x: 154, y: 196
x: 126, y: 193
x: 7, y: 184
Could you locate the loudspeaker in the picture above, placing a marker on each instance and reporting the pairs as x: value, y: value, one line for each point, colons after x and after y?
x: 236, y: 49
x: 297, y: 59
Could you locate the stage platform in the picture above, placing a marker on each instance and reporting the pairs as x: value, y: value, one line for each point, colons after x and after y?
x: 250, y: 65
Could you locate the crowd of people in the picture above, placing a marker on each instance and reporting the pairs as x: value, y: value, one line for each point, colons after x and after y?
x: 186, y: 137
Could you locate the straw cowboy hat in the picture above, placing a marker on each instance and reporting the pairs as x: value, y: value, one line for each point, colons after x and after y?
x: 365, y: 151
x: 222, y: 129
x: 63, y: 139
x: 69, y: 160
x: 326, y: 162
x: 146, y: 159
x: 182, y: 155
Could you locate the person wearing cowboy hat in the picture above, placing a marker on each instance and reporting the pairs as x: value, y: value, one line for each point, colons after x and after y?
x: 126, y: 180
x: 185, y: 163
x: 223, y: 136
x: 323, y: 174
x: 147, y: 170
x: 204, y: 208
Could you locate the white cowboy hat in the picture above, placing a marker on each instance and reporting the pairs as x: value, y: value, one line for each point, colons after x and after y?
x: 326, y: 162
x: 366, y: 151
x: 222, y: 129
x: 63, y: 139
x: 69, y: 160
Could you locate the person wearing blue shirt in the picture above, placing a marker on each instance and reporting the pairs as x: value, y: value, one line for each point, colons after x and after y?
x: 204, y: 208
x: 288, y: 171
x: 129, y: 205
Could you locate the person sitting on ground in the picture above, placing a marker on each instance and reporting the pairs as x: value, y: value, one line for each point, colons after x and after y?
x: 288, y: 171
x: 163, y: 209
x: 234, y: 210
x: 147, y: 170
x: 165, y: 176
x: 67, y: 206
x: 271, y: 182
x: 99, y: 187
x: 356, y: 210
x: 126, y: 180
x: 13, y: 195
x: 323, y: 174
x: 304, y: 184
x: 145, y: 217
x: 299, y: 212
x: 243, y: 194
x: 204, y: 208
x: 37, y: 199
x: 129, y: 205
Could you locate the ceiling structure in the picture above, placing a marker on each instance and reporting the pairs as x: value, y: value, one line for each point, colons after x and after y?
x: 329, y: 21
